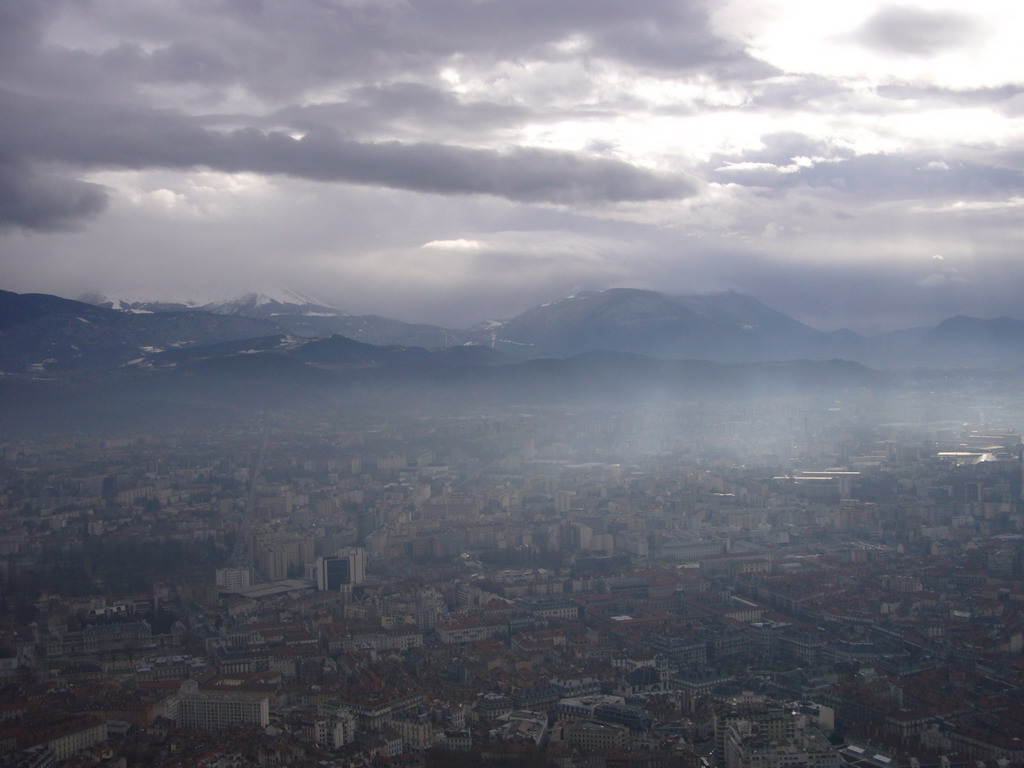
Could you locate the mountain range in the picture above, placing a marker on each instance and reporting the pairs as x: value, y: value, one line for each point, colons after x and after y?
x: 305, y: 316
x: 723, y: 327
x: 69, y: 364
x: 49, y: 335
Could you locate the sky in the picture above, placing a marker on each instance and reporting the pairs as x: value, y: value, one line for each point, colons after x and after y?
x: 854, y: 165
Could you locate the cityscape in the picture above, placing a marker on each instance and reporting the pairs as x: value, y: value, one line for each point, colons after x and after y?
x: 792, y: 581
x: 511, y: 383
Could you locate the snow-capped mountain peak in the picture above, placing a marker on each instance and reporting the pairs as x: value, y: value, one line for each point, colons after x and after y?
x: 264, y: 304
x: 489, y: 325
x: 138, y: 302
x: 274, y: 304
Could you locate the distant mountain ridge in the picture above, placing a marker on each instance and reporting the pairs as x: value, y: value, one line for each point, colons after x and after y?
x: 47, y: 335
x: 308, y: 317
x: 286, y: 303
x: 65, y: 362
x: 232, y: 383
x: 727, y: 327
x: 724, y: 327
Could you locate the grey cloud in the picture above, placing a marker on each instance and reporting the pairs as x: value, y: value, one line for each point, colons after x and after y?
x: 669, y: 35
x: 46, y: 203
x: 281, y: 49
x: 869, y: 296
x: 409, y: 108
x: 780, y: 148
x: 1008, y: 99
x: 524, y: 174
x: 21, y: 26
x: 374, y: 53
x: 676, y: 37
x: 93, y: 135
x: 181, y: 62
x: 972, y: 96
x: 881, y: 176
x: 916, y: 31
x: 802, y: 92
x: 763, y: 91
x: 242, y: 76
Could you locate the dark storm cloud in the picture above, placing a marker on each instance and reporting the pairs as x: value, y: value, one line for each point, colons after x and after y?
x: 43, y: 202
x: 98, y: 136
x: 916, y: 31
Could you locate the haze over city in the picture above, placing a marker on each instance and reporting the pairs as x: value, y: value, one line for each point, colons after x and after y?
x: 853, y: 165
